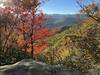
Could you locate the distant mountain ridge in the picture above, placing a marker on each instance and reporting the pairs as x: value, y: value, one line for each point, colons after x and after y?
x: 61, y: 20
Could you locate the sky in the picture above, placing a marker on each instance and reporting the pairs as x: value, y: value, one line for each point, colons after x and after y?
x: 63, y: 6
x: 60, y: 7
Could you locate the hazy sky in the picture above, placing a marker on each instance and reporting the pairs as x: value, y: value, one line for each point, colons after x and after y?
x: 60, y: 7
x: 63, y: 6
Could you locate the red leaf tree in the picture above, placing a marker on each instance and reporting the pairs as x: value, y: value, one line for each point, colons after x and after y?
x: 26, y: 25
x: 31, y: 26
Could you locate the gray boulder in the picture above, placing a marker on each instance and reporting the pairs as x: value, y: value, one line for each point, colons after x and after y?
x: 31, y: 67
x: 25, y: 67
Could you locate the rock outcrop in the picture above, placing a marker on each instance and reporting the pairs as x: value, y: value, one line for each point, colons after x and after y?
x: 31, y: 67
x: 25, y: 67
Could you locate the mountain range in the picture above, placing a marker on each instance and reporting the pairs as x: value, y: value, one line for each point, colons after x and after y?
x: 62, y: 20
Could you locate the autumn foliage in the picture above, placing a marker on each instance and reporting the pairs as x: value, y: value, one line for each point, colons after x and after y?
x: 27, y: 27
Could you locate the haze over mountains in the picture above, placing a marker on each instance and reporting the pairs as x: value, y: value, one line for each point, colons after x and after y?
x: 61, y: 20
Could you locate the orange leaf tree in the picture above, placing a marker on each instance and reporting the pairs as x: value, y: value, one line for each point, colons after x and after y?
x: 27, y: 25
x: 31, y: 26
